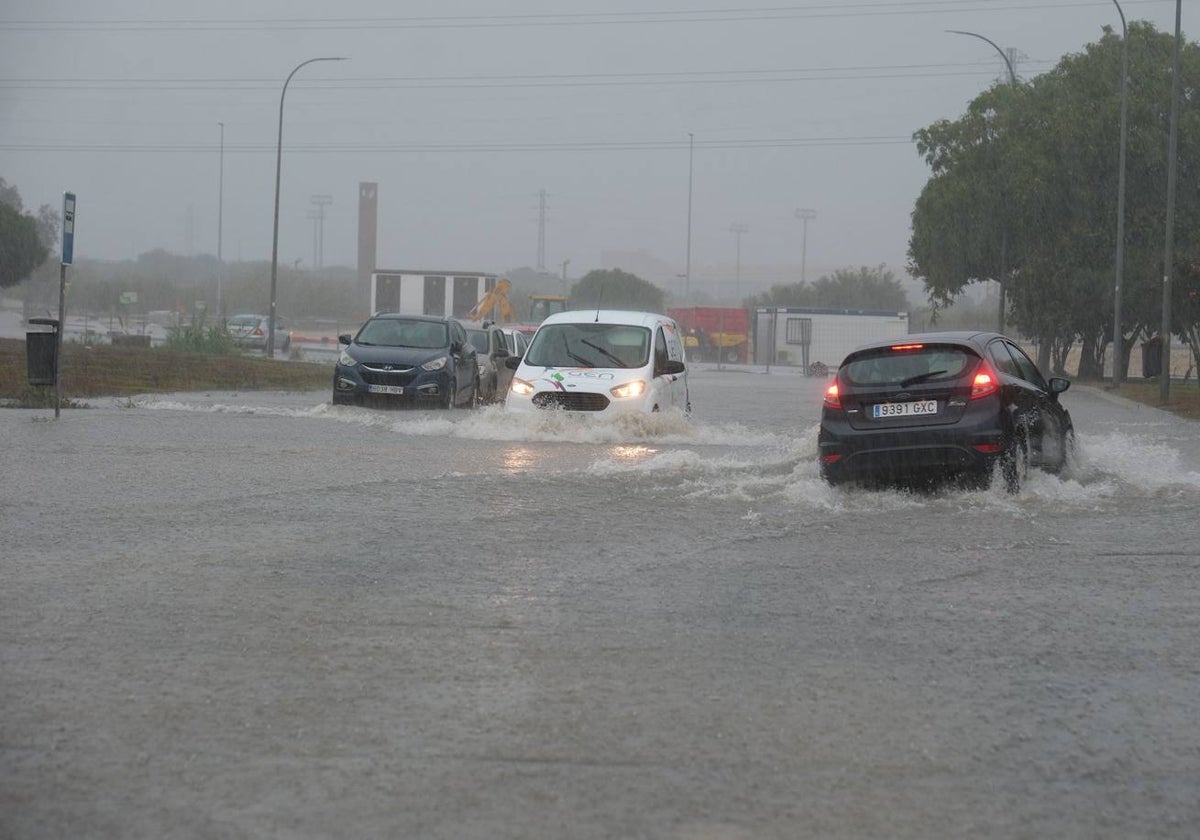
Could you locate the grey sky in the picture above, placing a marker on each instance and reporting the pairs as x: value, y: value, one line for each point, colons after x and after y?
x: 806, y: 104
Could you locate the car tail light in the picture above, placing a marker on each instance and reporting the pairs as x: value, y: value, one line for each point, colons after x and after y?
x: 831, y: 458
x: 989, y: 448
x: 832, y: 398
x: 907, y: 347
x: 986, y: 381
x: 258, y: 331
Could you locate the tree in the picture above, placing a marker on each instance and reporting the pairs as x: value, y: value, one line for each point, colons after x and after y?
x: 1023, y: 189
x: 21, y: 251
x: 846, y: 288
x: 616, y: 289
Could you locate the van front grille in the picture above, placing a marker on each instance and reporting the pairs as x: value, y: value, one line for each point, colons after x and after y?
x: 570, y: 402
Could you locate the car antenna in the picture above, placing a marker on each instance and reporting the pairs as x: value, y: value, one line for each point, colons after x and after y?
x: 599, y: 300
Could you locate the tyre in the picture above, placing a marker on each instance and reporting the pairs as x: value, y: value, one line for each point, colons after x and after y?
x: 476, y: 397
x: 340, y: 398
x: 448, y: 401
x: 1014, y: 462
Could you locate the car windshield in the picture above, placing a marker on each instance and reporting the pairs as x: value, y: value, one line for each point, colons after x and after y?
x: 590, y: 346
x: 479, y: 339
x: 904, y: 367
x: 400, y: 332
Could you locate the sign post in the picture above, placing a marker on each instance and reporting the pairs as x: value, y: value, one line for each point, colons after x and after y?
x: 68, y: 254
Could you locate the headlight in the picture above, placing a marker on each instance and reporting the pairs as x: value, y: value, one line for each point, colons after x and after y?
x: 521, y: 387
x: 345, y: 359
x: 630, y: 389
x: 436, y: 364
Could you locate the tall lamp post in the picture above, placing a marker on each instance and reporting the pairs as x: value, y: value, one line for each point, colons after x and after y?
x: 1164, y: 370
x: 805, y: 216
x: 687, y: 275
x: 275, y: 234
x: 1118, y: 333
x: 220, y: 220
x: 1012, y: 80
x: 737, y: 230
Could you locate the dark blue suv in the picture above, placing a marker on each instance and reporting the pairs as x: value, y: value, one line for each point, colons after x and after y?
x: 397, y: 360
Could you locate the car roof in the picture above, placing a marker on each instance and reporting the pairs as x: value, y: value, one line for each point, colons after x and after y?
x: 976, y: 339
x: 609, y: 316
x: 394, y: 316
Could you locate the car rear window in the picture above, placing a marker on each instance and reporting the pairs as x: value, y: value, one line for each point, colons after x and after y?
x: 919, y: 363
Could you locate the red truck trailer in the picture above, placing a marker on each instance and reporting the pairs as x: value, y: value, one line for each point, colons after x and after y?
x: 714, y: 333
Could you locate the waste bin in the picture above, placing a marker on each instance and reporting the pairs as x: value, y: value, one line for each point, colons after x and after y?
x: 41, y: 355
x: 1151, y: 358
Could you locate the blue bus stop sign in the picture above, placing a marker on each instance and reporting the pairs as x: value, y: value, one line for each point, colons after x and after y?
x: 68, y: 240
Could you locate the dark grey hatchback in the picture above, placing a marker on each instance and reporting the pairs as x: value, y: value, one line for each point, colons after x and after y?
x: 397, y: 360
x: 939, y: 406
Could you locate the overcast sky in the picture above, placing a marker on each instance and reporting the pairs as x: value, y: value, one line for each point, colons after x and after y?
x: 463, y: 111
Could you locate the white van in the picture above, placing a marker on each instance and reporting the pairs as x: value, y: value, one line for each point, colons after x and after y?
x: 602, y: 362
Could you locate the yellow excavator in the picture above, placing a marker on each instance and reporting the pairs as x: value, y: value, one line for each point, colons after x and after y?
x: 494, y: 306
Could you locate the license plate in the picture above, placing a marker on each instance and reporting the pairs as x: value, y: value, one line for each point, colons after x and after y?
x: 918, y: 408
x: 386, y: 389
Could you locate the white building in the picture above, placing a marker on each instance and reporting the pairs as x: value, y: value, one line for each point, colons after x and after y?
x: 415, y: 292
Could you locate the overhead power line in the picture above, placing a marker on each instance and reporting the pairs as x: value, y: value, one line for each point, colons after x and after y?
x: 828, y: 9
x: 467, y: 148
x: 683, y: 77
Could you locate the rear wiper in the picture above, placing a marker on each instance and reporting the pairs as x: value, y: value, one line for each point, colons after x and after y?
x: 920, y: 377
x: 616, y: 359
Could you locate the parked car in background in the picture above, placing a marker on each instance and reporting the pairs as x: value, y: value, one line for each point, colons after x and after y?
x: 397, y: 360
x: 250, y: 331
x: 942, y: 405
x: 517, y: 340
x: 602, y: 362
x: 491, y: 351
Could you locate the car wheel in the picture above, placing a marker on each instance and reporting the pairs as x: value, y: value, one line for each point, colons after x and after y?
x: 1066, y: 452
x: 287, y: 344
x: 342, y: 399
x: 1014, y: 462
x: 476, y: 397
x: 448, y: 401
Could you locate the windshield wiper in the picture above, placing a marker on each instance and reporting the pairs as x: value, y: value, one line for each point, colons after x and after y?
x: 616, y: 359
x: 581, y: 359
x: 920, y: 377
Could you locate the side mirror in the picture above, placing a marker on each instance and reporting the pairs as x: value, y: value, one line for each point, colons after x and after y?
x: 512, y: 362
x: 1058, y: 385
x: 344, y: 338
x: 672, y: 367
x: 456, y: 347
x: 501, y: 352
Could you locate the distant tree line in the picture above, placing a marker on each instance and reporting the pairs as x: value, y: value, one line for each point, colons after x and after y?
x: 846, y: 288
x: 1024, y: 190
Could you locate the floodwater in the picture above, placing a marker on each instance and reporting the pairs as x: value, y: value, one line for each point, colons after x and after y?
x: 256, y: 614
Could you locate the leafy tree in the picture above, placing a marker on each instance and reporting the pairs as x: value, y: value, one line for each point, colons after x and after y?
x: 1023, y: 189
x: 21, y: 251
x: 847, y: 288
x: 616, y: 289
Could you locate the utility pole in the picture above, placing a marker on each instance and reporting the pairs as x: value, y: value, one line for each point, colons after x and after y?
x: 220, y: 223
x: 687, y: 276
x: 541, y: 254
x: 805, y: 216
x: 1118, y: 330
x: 737, y: 230
x: 321, y: 202
x: 1164, y: 373
x: 565, y: 263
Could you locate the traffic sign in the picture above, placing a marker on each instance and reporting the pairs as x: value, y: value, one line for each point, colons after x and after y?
x: 68, y: 239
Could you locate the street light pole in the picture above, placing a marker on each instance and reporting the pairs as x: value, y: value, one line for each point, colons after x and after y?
x: 687, y: 276
x: 1012, y: 80
x: 805, y: 216
x: 220, y: 220
x: 275, y: 233
x: 737, y: 231
x: 1118, y: 332
x: 1164, y: 371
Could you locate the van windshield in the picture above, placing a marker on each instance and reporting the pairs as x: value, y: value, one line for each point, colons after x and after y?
x: 590, y: 346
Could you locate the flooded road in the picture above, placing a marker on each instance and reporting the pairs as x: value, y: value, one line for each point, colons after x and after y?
x: 248, y: 615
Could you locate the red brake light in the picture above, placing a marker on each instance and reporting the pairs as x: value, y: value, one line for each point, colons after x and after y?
x: 986, y: 381
x: 832, y: 399
x: 258, y: 331
x: 907, y: 346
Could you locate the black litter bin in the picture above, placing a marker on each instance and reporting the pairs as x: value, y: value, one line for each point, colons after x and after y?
x: 41, y: 353
x: 1151, y: 358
